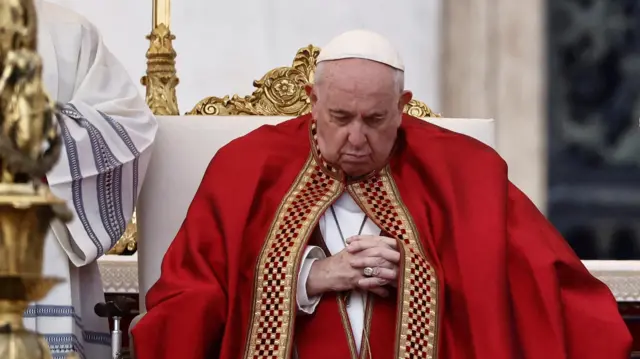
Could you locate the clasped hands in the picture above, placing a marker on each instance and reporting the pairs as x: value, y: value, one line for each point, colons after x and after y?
x: 344, y: 271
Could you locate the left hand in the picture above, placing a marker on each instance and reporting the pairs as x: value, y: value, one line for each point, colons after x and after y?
x: 377, y: 252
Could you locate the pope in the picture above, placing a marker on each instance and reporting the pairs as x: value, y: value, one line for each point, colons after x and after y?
x: 360, y: 232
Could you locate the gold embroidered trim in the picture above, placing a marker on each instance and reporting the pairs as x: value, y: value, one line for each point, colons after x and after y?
x: 418, y: 291
x: 346, y: 324
x: 365, y: 347
x: 274, y: 305
x: 316, y: 187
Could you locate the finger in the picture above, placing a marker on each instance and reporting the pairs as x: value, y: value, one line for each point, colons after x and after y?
x: 380, y: 240
x: 358, y: 245
x: 373, y: 262
x: 372, y: 282
x: 388, y: 274
x: 381, y: 291
x: 386, y: 254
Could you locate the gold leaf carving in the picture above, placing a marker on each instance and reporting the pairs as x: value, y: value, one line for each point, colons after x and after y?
x: 161, y: 79
x: 129, y: 241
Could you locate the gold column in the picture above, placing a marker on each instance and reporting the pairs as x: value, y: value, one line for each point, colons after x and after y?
x: 160, y: 83
x: 30, y: 145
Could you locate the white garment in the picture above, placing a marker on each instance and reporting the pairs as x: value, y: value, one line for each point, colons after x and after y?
x: 107, y: 131
x: 350, y: 218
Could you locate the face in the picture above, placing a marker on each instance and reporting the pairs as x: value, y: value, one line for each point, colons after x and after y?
x: 357, y: 105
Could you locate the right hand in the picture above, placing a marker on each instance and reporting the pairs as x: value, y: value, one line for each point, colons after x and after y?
x: 336, y: 274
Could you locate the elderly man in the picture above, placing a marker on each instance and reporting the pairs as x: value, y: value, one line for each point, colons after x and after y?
x: 107, y: 131
x: 358, y: 231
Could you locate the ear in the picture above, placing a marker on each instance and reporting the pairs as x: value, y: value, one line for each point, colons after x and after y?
x: 404, y: 99
x: 308, y: 88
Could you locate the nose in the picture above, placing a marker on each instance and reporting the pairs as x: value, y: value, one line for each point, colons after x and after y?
x: 357, y: 136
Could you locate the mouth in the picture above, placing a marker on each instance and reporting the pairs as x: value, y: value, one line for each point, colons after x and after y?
x: 355, y: 158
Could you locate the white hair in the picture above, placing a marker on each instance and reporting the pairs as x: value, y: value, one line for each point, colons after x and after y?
x: 398, y: 76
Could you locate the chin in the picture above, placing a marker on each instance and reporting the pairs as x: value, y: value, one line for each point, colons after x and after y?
x: 352, y: 170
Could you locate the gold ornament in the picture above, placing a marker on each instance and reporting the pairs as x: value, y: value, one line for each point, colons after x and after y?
x: 161, y: 79
x: 29, y: 147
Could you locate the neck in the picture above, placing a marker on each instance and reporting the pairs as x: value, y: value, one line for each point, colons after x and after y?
x: 334, y: 170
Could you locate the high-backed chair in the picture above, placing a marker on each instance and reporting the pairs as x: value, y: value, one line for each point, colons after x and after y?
x: 185, y: 145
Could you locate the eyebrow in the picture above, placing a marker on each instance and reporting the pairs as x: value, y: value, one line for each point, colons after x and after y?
x: 377, y: 114
x: 340, y: 112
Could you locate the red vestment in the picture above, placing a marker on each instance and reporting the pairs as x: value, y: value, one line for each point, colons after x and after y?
x: 484, y: 274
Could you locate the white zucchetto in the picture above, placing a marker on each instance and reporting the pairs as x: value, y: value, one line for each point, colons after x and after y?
x: 361, y: 44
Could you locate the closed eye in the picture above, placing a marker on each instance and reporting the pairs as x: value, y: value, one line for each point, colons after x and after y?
x: 340, y: 116
x: 374, y: 120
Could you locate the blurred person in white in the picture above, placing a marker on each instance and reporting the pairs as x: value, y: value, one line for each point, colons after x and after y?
x: 108, y: 132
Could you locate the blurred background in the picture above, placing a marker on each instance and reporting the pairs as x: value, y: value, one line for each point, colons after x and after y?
x: 560, y: 77
x: 593, y: 98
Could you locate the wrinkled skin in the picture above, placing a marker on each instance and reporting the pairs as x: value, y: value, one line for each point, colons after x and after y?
x: 357, y: 105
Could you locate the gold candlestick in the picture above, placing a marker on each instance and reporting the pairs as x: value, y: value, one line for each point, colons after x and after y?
x: 29, y: 147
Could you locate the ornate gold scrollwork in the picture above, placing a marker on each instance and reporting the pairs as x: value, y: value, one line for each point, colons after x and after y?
x: 280, y: 92
x: 129, y: 241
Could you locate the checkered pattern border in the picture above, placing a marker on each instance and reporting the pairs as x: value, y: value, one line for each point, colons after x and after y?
x: 274, y: 306
x: 417, y: 336
x: 318, y: 185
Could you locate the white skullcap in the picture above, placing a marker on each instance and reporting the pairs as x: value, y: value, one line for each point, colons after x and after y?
x: 361, y: 44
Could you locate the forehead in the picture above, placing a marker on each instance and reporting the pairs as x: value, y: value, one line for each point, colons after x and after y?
x: 347, y: 83
x: 358, y: 72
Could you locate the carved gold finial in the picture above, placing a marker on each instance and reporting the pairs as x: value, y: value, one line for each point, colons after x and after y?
x: 280, y: 92
x: 29, y: 147
x: 161, y: 79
